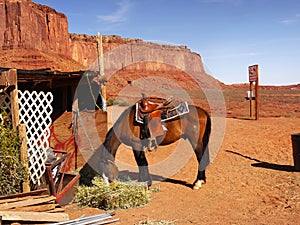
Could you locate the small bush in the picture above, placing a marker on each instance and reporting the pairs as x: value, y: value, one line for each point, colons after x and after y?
x: 110, y: 102
x: 117, y: 195
x: 119, y: 101
x: 12, y: 171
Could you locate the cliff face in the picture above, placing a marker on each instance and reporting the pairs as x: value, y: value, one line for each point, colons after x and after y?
x: 27, y: 25
x: 84, y: 48
x: 34, y: 36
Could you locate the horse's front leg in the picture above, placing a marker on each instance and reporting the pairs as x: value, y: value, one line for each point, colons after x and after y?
x: 142, y: 163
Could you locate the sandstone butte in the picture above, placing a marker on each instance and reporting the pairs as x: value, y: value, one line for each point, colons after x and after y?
x: 34, y: 36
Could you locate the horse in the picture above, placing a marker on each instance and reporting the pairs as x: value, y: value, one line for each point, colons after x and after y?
x: 194, y: 126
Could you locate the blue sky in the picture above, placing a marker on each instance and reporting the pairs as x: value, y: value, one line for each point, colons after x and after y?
x: 230, y: 35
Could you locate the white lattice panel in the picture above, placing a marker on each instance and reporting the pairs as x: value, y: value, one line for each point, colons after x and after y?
x: 35, y: 111
x: 5, y: 102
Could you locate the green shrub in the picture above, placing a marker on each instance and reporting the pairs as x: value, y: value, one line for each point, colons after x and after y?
x: 12, y: 171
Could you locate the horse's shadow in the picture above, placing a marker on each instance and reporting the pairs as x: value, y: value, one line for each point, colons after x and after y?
x: 266, y: 165
x: 127, y: 175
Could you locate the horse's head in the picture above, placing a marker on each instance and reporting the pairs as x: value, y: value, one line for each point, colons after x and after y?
x: 100, y: 163
x: 108, y: 170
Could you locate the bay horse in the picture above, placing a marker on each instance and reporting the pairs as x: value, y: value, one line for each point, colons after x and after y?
x: 195, y: 126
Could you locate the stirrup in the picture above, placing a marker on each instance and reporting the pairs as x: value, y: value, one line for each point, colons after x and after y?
x: 152, y: 144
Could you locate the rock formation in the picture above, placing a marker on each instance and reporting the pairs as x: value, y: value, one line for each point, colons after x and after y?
x: 34, y: 36
x: 27, y: 25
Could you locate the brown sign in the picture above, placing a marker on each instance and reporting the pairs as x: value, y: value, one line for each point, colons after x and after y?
x: 253, y: 73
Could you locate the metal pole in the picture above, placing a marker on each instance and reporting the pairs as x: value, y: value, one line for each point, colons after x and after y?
x: 87, y: 220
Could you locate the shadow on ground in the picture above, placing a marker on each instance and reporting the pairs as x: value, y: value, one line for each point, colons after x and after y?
x: 265, y: 165
x: 127, y: 175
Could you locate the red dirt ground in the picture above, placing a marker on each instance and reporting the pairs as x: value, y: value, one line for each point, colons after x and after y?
x: 251, y: 181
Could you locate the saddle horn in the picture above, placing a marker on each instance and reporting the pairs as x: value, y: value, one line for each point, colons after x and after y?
x: 167, y: 101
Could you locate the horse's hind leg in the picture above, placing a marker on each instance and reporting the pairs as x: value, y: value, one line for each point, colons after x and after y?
x: 142, y: 163
x: 201, y: 178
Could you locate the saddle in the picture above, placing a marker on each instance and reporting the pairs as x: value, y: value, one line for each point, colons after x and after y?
x: 151, y: 112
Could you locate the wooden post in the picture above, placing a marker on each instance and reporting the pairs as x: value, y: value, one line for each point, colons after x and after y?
x: 75, y: 110
x: 14, y: 100
x: 24, y: 154
x: 101, y: 65
x: 100, y: 55
x: 251, y: 99
x: 14, y: 108
x: 256, y: 94
x: 253, y: 77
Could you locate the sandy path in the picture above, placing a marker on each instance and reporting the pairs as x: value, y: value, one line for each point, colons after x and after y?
x: 251, y: 181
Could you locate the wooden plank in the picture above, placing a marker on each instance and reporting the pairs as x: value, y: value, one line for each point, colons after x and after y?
x: 27, y: 202
x: 32, y: 193
x: 21, y: 199
x: 34, y: 216
x: 56, y: 210
x: 37, y: 208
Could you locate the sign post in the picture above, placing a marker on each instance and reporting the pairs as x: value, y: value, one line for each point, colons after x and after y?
x: 253, y: 78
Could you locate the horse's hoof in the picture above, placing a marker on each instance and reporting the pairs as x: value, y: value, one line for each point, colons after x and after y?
x: 198, y: 184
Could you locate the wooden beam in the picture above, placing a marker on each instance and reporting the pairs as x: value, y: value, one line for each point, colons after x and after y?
x: 37, y: 208
x: 19, y: 199
x: 27, y: 202
x: 19, y: 195
x: 34, y: 216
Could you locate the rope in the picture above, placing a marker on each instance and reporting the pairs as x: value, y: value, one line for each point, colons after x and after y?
x: 95, y: 102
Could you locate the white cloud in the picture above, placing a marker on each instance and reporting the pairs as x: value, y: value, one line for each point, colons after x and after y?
x: 120, y: 15
x: 288, y: 21
x: 293, y: 20
x: 232, y: 2
x: 233, y: 55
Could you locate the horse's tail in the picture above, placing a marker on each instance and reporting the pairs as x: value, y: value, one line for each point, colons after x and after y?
x: 207, y: 132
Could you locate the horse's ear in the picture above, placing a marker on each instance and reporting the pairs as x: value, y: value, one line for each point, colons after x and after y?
x: 144, y: 95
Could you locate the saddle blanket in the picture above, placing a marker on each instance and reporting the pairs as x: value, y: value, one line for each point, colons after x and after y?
x: 167, y: 114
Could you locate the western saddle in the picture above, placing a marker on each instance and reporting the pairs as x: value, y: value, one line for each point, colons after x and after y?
x: 150, y: 111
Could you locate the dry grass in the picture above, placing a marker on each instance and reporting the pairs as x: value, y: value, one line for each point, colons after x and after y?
x: 161, y: 222
x: 117, y: 195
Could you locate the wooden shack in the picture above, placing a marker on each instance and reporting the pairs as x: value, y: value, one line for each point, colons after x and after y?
x: 75, y: 97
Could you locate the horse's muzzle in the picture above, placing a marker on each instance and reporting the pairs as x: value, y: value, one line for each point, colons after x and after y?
x: 109, y: 169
